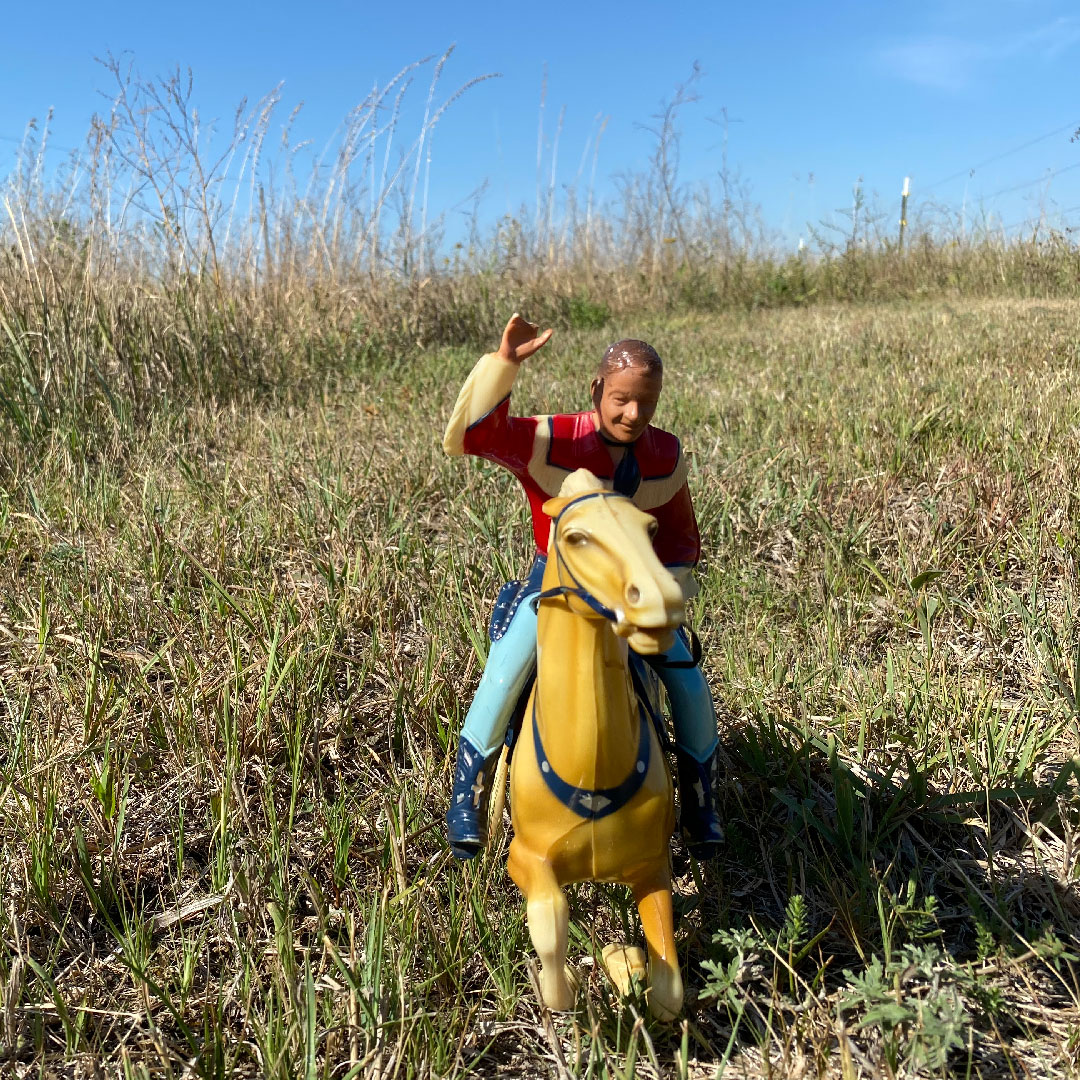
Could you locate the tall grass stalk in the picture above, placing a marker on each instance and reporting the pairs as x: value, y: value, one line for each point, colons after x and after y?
x: 243, y: 592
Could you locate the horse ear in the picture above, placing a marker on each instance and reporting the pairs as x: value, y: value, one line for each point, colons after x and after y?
x: 554, y: 507
x: 578, y: 483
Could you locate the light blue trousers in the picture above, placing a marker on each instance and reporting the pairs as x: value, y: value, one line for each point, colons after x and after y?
x: 512, y: 660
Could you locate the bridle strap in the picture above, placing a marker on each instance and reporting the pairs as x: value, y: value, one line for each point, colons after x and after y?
x: 582, y: 594
x: 577, y: 589
x: 585, y: 498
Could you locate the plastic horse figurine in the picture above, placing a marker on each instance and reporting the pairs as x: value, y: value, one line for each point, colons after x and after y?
x: 621, y: 447
x: 590, y: 793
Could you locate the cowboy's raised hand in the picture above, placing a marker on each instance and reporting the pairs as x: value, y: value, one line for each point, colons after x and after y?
x: 520, y: 339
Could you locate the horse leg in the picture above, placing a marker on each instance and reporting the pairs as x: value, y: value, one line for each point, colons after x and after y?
x: 547, y: 913
x: 653, y: 896
x: 622, y: 963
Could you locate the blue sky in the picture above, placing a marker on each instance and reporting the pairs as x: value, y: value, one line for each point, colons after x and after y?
x: 817, y: 95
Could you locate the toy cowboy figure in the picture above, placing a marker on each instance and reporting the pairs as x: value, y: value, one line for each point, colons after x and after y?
x: 616, y: 442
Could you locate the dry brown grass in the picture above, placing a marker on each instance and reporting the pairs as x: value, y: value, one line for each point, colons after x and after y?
x: 239, y: 627
x: 242, y: 593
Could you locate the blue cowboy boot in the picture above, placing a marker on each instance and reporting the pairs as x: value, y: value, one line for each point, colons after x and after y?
x: 466, y: 820
x: 701, y: 829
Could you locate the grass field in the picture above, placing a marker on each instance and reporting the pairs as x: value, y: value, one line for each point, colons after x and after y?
x: 238, y: 634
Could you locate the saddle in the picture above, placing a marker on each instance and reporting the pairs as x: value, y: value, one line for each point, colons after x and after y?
x: 506, y: 605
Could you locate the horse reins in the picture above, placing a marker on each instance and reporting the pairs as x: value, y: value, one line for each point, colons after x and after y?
x: 585, y: 802
x: 577, y: 589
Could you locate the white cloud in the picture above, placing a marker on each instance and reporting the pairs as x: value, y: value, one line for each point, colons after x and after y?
x: 952, y: 63
x: 1052, y: 39
x: 940, y: 63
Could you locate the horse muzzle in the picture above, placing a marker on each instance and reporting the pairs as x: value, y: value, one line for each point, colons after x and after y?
x: 648, y: 641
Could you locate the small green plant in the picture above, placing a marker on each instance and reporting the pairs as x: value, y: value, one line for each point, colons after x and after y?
x: 585, y: 314
x: 915, y: 1003
x: 738, y: 951
x: 906, y: 917
x: 340, y: 832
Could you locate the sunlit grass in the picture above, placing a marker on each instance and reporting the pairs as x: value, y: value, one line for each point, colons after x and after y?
x: 238, y: 636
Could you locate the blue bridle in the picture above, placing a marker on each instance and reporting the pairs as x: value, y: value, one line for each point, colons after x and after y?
x: 593, y: 803
x: 589, y: 803
x: 577, y: 589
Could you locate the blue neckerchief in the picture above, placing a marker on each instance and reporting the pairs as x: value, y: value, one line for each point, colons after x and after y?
x: 627, y: 473
x: 627, y: 477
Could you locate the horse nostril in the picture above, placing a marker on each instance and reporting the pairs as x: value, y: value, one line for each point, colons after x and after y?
x: 633, y: 594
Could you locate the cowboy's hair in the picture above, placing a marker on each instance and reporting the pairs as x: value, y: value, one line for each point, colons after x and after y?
x: 630, y: 353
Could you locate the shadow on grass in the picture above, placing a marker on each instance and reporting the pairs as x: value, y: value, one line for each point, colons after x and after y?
x: 869, y: 913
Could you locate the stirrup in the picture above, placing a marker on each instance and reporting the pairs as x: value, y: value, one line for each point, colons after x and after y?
x: 466, y: 820
x: 700, y: 826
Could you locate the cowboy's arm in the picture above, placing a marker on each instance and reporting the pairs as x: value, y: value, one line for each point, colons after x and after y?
x: 489, y: 384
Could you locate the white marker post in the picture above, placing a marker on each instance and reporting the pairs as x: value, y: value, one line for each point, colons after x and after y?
x: 903, y: 209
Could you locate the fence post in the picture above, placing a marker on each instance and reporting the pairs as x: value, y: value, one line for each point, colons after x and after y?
x: 903, y: 209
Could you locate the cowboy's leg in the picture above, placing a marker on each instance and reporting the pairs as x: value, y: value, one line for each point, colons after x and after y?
x: 511, y: 661
x: 692, y: 711
x: 696, y: 740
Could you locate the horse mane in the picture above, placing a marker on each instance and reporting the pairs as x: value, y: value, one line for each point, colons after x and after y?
x: 581, y: 482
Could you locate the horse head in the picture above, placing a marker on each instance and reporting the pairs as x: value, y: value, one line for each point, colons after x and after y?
x: 606, y: 565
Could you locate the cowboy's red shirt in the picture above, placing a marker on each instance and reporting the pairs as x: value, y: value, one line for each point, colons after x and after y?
x: 541, y: 451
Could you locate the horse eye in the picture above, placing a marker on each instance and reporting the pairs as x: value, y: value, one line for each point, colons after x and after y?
x: 576, y: 538
x: 652, y: 528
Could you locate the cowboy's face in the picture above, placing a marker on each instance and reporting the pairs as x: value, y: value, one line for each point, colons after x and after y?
x: 625, y: 402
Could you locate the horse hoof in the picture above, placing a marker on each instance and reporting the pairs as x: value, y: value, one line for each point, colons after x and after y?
x: 665, y: 996
x: 622, y: 963
x: 559, y: 991
x: 563, y: 996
